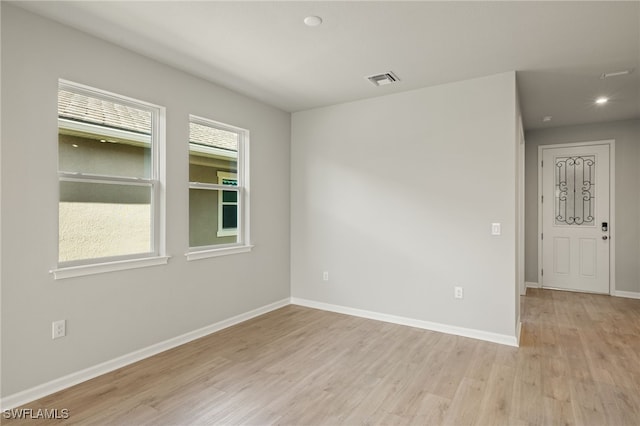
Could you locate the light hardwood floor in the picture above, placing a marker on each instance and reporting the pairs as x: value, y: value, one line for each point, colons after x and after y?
x: 579, y: 363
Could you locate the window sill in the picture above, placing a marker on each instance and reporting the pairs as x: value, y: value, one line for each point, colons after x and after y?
x: 99, y: 268
x: 204, y: 254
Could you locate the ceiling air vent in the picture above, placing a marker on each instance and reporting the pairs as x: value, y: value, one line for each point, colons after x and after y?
x: 383, y: 79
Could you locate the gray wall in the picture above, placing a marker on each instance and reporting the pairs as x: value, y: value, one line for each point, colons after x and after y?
x: 395, y: 196
x: 627, y: 193
x: 113, y: 314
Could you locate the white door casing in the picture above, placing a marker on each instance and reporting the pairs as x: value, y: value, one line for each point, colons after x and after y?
x: 575, y: 205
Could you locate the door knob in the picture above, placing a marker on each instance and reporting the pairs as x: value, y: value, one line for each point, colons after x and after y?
x: 604, y: 237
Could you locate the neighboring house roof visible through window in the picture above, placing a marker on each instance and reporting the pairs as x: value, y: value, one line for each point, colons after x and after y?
x: 210, y: 136
x: 85, y: 109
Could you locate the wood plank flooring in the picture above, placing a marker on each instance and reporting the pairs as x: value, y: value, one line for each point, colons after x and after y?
x: 579, y: 363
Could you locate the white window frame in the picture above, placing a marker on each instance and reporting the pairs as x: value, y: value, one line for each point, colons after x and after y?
x: 242, y: 244
x: 157, y: 254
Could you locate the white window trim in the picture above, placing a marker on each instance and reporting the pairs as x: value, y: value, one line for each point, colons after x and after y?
x: 216, y: 252
x: 243, y: 231
x: 221, y: 231
x: 99, y: 268
x: 157, y: 255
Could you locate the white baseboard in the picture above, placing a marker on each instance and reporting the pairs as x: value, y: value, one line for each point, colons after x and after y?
x: 37, y: 392
x: 529, y: 284
x: 26, y: 396
x: 433, y: 326
x: 627, y: 294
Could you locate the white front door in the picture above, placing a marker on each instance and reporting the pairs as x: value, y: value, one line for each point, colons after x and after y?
x: 575, y: 218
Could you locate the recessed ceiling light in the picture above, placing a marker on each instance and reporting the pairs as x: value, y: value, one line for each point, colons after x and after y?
x: 602, y: 100
x: 74, y: 145
x: 546, y: 118
x: 312, y: 21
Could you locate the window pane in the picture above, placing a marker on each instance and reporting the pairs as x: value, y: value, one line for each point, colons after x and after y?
x: 96, y: 136
x: 84, y: 192
x: 229, y: 197
x: 229, y: 216
x: 213, y: 161
x: 204, y: 220
x: 89, y: 155
x: 102, y: 220
x: 204, y: 169
x: 209, y: 136
x: 211, y: 150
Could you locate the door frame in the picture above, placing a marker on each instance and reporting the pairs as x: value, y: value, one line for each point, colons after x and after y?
x: 612, y: 205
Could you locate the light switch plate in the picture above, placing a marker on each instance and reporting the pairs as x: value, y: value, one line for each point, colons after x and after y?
x: 495, y: 229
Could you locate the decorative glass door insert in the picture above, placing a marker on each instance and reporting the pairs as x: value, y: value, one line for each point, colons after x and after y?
x: 575, y: 190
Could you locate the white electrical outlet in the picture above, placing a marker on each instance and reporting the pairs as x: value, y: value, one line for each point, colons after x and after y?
x: 58, y: 329
x: 458, y: 293
x: 325, y: 276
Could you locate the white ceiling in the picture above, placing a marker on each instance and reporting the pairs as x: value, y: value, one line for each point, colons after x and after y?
x: 263, y: 49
